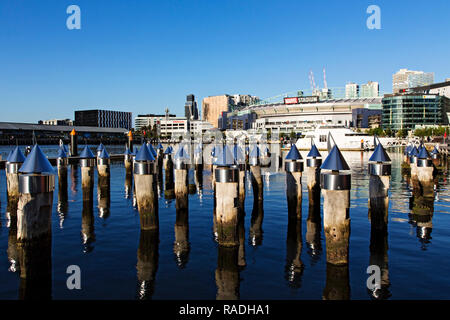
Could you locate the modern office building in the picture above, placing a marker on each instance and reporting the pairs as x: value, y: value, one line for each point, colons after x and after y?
x: 103, y: 119
x: 407, y: 110
x: 442, y: 89
x: 190, y: 108
x: 214, y: 106
x: 404, y: 79
x: 237, y: 120
x: 149, y: 120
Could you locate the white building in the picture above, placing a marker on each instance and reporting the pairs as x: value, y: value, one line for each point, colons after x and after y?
x: 178, y: 126
x: 351, y: 90
x: 57, y: 122
x: 404, y: 79
x: 149, y: 120
x: 370, y: 89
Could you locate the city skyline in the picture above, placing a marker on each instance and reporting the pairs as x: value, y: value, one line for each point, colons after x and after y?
x: 154, y: 55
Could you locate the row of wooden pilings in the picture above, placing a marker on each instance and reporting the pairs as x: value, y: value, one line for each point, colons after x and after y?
x: 30, y: 184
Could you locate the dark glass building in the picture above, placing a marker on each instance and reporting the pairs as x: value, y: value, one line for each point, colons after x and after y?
x: 190, y: 108
x: 406, y: 110
x: 103, y: 119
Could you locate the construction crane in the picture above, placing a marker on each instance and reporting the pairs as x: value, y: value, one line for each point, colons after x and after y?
x: 311, y: 80
x: 325, y: 79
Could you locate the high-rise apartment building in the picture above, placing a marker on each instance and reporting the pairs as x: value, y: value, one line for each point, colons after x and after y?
x: 190, y: 108
x: 370, y: 89
x: 404, y: 79
x: 351, y: 90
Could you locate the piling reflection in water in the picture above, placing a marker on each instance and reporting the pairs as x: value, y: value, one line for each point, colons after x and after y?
x: 103, y: 196
x: 313, y: 226
x: 87, y: 220
x: 422, y: 216
x: 337, y: 285
x: 378, y: 215
x: 128, y: 185
x: 294, y: 265
x: 74, y: 178
x: 13, y: 255
x: 181, y: 246
x: 63, y: 197
x: 227, y: 273
x: 147, y: 263
x: 256, y: 232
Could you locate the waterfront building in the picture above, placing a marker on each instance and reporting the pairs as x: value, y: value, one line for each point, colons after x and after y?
x: 366, y: 118
x: 214, y: 106
x: 441, y: 88
x: 149, y: 120
x: 237, y: 120
x: 57, y: 122
x: 103, y: 119
x: 179, y: 126
x: 406, y: 110
x: 303, y: 116
x: 404, y: 79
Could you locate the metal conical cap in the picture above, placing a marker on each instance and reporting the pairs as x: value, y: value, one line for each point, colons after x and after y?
x: 16, y: 156
x: 414, y: 151
x: 159, y: 146
x: 435, y: 150
x: 61, y: 153
x: 335, y: 161
x: 181, y: 154
x: 104, y: 154
x: 237, y: 153
x: 144, y: 154
x: 87, y: 153
x: 380, y: 155
x: 36, y: 162
x: 255, y: 153
x: 152, y: 150
x: 100, y: 147
x: 225, y: 157
x: 294, y: 154
x: 313, y: 153
x: 423, y: 153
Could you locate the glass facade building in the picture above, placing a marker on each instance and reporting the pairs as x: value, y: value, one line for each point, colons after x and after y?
x: 405, y: 111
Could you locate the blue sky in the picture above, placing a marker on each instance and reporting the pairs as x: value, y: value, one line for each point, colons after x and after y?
x: 143, y: 56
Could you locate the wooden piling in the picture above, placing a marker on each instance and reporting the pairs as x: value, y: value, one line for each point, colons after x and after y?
x: 147, y: 263
x: 227, y: 273
x: 181, y: 188
x: 294, y: 194
x: 147, y: 200
x: 181, y: 246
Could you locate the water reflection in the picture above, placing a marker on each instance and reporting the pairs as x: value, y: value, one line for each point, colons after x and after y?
x: 103, y: 195
x: 181, y: 247
x: 63, y: 204
x: 74, y: 178
x: 147, y: 263
x: 313, y: 226
x: 294, y: 265
x: 421, y: 216
x: 337, y: 285
x: 87, y: 220
x: 128, y: 185
x: 227, y: 273
x: 12, y: 251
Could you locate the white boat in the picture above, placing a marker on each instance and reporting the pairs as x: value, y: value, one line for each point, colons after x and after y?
x: 345, y: 138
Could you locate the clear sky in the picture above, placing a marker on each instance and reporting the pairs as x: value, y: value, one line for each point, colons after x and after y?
x: 142, y: 56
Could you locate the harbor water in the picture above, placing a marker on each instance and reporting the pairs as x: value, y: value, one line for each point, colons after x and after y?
x: 282, y: 263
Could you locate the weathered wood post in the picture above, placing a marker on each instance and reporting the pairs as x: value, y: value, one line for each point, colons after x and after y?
x: 239, y: 159
x: 61, y: 163
x: 160, y: 158
x: 380, y: 172
x: 337, y: 286
x: 294, y: 168
x: 425, y: 170
x: 34, y: 225
x: 147, y: 263
x: 335, y: 186
x: 13, y: 163
x: 103, y: 184
x: 146, y: 193
x: 181, y: 178
x: 128, y: 159
x: 258, y: 199
x: 130, y: 140
x: 87, y: 164
x: 169, y: 191
x: 198, y: 160
x: 294, y: 265
x: 227, y: 199
x: 227, y: 273
x: 73, y: 143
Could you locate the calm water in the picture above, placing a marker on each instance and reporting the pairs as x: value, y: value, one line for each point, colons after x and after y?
x: 418, y: 265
